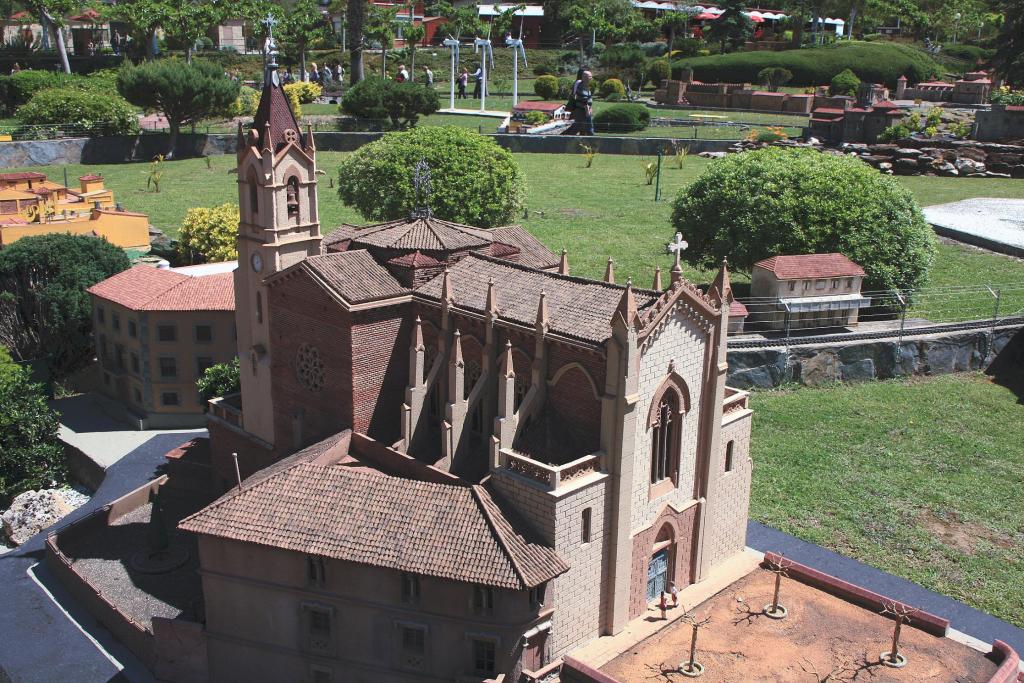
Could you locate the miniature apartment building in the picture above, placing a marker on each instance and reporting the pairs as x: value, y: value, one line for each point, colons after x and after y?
x: 805, y: 291
x: 459, y: 460
x: 30, y: 204
x: 156, y: 332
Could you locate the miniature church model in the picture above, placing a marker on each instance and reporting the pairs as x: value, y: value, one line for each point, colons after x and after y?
x: 460, y: 460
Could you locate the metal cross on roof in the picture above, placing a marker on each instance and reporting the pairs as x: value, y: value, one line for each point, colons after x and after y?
x: 270, y: 47
x: 677, y: 245
x: 270, y: 22
x: 421, y: 187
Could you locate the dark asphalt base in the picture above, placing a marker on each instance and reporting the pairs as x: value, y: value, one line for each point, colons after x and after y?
x: 39, y: 644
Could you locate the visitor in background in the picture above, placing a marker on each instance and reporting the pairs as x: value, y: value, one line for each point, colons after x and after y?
x: 314, y: 73
x: 326, y: 75
x: 674, y: 589
x: 339, y: 73
x: 463, y: 81
x: 478, y: 77
x: 428, y: 76
x: 403, y: 74
x: 16, y: 68
x: 581, y: 104
x: 289, y: 77
x: 115, y: 42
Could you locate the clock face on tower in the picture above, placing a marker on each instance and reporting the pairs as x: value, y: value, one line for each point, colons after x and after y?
x: 257, y: 261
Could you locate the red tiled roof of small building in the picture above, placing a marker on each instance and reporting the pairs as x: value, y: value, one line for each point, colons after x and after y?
x: 799, y: 266
x: 353, y: 275
x: 424, y: 234
x: 531, y: 251
x: 1015, y: 107
x: 13, y: 219
x: 90, y: 176
x: 549, y: 107
x: 577, y: 308
x: 736, y: 308
x: 829, y: 110
x: 885, y: 104
x: 144, y: 288
x: 24, y: 175
x: 449, y: 531
x: 416, y: 259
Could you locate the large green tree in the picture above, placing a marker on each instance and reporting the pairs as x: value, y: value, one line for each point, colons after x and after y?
x: 1009, y: 57
x: 732, y: 28
x: 144, y: 18
x: 189, y: 21
x: 44, y: 308
x: 773, y: 201
x: 51, y: 15
x: 381, y: 25
x: 460, y: 22
x: 305, y: 26
x: 31, y: 456
x: 184, y: 93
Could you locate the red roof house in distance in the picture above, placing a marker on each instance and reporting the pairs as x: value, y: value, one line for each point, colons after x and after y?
x: 805, y: 291
x: 156, y: 331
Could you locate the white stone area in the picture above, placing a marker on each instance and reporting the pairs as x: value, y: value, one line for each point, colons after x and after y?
x: 33, y: 511
x: 999, y: 221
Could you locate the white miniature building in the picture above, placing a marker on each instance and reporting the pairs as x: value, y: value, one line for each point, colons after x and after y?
x: 806, y: 291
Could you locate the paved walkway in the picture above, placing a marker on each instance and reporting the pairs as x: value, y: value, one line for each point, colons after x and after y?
x: 474, y: 112
x: 996, y: 224
x: 41, y: 641
x: 966, y: 619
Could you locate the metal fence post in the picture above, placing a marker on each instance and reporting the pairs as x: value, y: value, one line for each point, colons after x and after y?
x: 657, y: 183
x: 903, y: 316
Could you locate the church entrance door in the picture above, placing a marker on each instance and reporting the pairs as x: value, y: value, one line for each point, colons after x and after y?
x: 657, y: 575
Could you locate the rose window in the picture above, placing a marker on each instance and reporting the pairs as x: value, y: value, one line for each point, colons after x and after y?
x: 309, y: 367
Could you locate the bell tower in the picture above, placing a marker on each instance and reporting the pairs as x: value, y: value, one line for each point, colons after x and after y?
x: 279, y: 226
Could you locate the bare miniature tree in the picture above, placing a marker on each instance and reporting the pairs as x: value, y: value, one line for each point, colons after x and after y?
x: 692, y: 668
x: 901, y: 614
x: 780, y: 568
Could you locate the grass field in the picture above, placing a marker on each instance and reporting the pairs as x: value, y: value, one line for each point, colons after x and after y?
x: 930, y: 491
x: 606, y: 210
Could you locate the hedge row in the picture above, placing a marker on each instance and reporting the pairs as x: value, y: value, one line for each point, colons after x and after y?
x: 873, y: 62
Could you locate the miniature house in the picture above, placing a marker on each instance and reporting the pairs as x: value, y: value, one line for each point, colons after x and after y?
x: 806, y: 291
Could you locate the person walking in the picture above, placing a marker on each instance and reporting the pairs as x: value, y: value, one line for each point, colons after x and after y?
x: 581, y: 104
x: 478, y: 77
x: 403, y: 74
x: 463, y: 81
x: 428, y: 76
x: 314, y: 73
x: 675, y: 593
x: 115, y: 42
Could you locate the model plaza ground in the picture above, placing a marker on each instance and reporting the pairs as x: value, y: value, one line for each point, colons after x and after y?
x: 840, y: 467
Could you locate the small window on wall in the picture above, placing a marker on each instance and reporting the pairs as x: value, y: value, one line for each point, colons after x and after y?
x: 170, y: 398
x: 484, y: 657
x: 729, y: 447
x: 168, y: 368
x: 585, y: 526
x: 318, y: 622
x: 849, y: 282
x: 101, y: 316
x: 537, y: 595
x: 204, y: 334
x: 819, y: 284
x: 254, y: 197
x: 135, y: 363
x: 792, y: 286
x: 316, y: 571
x: 137, y: 395
x: 835, y: 284
x: 133, y: 330
x: 410, y: 588
x: 807, y: 284
x: 483, y: 599
x: 166, y: 333
x: 115, y: 321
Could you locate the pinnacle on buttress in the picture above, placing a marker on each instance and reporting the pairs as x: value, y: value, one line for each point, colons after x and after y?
x: 492, y: 298
x: 720, y: 291
x: 446, y: 286
x: 627, y: 305
x: 507, y: 368
x: 542, y: 312
x: 563, y: 263
x: 417, y: 335
x: 657, y: 279
x: 456, y: 359
x: 609, y: 271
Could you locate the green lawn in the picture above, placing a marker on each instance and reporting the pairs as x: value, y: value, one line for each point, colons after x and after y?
x: 606, y: 210
x: 930, y: 491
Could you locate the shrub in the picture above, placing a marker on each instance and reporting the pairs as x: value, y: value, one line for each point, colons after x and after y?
x: 1006, y: 96
x: 565, y: 88
x: 612, y: 86
x: 546, y: 87
x: 544, y: 69
x: 25, y: 84
x: 248, y: 101
x: 686, y: 47
x: 844, y: 83
x: 535, y: 118
x: 209, y: 235
x: 88, y: 112
x: 875, y: 62
x: 772, y: 201
x: 774, y: 77
x: 219, y: 380
x: 474, y: 181
x: 622, y: 118
x: 306, y: 91
x: 897, y: 131
x: 380, y: 98
x: 293, y: 102
x: 31, y: 456
x: 655, y: 49
x: 658, y: 70
x: 970, y: 53
x: 44, y: 306
x: 622, y: 57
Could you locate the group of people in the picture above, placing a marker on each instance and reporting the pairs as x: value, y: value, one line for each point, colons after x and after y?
x: 403, y: 75
x: 323, y: 77
x: 663, y: 601
x: 463, y: 80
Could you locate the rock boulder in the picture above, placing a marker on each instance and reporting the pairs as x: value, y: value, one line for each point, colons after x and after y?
x: 33, y: 511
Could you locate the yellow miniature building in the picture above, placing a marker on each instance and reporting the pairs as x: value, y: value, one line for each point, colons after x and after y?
x: 30, y: 204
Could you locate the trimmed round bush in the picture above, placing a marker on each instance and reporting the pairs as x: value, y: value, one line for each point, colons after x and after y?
x: 659, y: 70
x: 82, y: 110
x: 473, y: 180
x: 755, y: 205
x: 622, y: 118
x: 546, y: 87
x: 612, y: 86
x: 844, y: 83
x: 377, y: 99
x: 248, y: 101
x: 306, y: 91
x: 209, y: 235
x: 565, y: 87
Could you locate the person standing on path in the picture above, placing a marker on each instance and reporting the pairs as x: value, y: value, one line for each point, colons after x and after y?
x: 478, y: 76
x: 463, y: 80
x: 428, y: 76
x: 581, y: 104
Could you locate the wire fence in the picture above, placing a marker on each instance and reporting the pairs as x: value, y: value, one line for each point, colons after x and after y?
x: 834, y: 313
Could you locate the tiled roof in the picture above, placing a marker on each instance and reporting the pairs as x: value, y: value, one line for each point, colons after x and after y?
x: 91, y: 176
x: 539, y: 106
x: 416, y: 259
x: 829, y: 110
x: 357, y: 515
x: 24, y: 175
x: 577, y: 308
x: 144, y: 288
x: 424, y: 234
x: 736, y: 308
x: 275, y: 110
x: 354, y: 275
x: 810, y: 265
x: 531, y: 252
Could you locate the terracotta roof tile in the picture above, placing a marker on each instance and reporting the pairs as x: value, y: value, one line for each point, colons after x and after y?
x: 24, y: 175
x: 144, y: 288
x: 424, y: 234
x: 275, y: 110
x: 531, y: 251
x: 358, y: 515
x: 577, y: 307
x: 736, y: 308
x: 810, y: 265
x: 416, y: 259
x: 354, y: 275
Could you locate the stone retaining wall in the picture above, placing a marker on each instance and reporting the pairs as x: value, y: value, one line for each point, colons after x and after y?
x: 120, y: 149
x: 767, y: 368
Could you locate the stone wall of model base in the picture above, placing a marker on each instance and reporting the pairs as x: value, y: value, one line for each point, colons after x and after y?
x: 767, y: 368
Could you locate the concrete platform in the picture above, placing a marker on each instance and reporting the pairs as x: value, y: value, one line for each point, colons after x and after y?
x: 996, y: 224
x: 474, y: 112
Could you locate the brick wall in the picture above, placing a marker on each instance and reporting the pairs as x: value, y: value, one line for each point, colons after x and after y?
x: 729, y: 498
x: 252, y: 456
x: 302, y: 313
x: 684, y: 532
x: 380, y: 370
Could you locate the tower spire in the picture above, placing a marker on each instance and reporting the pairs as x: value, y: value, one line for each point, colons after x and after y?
x: 609, y: 271
x: 563, y: 264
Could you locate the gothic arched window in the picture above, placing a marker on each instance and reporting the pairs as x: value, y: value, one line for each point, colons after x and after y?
x: 292, y: 197
x: 254, y: 197
x: 665, y: 438
x: 473, y: 372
